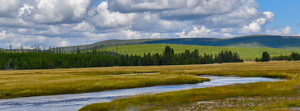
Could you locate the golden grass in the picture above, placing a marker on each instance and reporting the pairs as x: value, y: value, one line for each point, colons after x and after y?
x: 179, y: 99
x: 30, y: 83
x: 64, y: 81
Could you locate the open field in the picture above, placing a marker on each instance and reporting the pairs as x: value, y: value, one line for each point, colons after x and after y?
x: 259, y: 96
x: 246, y: 53
x: 26, y: 83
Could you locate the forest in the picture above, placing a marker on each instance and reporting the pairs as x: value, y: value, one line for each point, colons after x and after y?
x: 10, y: 60
x: 292, y: 57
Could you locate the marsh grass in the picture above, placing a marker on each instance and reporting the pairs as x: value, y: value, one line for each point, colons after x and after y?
x: 79, y: 80
x: 181, y: 99
x: 51, y: 84
x: 177, y: 100
x: 110, y: 72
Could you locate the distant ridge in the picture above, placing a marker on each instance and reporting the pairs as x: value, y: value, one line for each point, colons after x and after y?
x: 109, y: 43
x: 283, y: 42
x: 249, y: 41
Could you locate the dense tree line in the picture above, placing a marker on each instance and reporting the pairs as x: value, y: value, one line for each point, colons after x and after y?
x: 293, y: 56
x: 266, y: 57
x: 98, y: 58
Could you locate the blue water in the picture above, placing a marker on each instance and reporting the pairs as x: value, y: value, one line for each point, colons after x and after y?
x: 73, y: 102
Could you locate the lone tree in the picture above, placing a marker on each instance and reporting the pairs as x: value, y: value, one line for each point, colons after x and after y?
x: 265, y: 57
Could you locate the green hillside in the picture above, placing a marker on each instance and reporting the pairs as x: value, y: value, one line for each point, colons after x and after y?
x: 251, y: 41
x: 108, y: 43
x: 246, y: 53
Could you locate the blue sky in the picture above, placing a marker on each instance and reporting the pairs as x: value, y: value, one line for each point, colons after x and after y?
x: 286, y: 12
x: 77, y: 22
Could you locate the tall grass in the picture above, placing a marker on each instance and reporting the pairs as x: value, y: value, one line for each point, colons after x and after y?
x: 179, y: 99
x: 51, y: 84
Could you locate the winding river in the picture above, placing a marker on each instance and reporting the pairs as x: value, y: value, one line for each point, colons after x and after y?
x: 73, y: 102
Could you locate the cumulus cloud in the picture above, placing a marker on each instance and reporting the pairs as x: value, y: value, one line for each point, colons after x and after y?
x: 121, y: 34
x: 285, y: 31
x: 201, y: 32
x: 256, y: 26
x: 244, y: 14
x: 84, y: 26
x: 25, y: 10
x: 173, y: 7
x: 55, y: 11
x: 76, y: 22
x: 105, y: 19
x: 12, y: 22
x: 153, y: 23
x: 16, y: 40
x: 130, y: 6
x: 64, y: 43
x: 10, y: 8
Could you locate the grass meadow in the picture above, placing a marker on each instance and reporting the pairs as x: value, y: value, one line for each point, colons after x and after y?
x: 27, y: 83
x: 246, y: 53
x: 280, y: 95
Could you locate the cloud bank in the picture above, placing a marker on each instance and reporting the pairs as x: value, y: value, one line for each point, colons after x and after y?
x: 76, y: 22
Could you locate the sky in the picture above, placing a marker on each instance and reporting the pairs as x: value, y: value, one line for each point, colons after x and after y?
x: 78, y: 22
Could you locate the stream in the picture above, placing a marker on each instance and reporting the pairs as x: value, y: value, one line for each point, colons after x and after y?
x: 73, y: 102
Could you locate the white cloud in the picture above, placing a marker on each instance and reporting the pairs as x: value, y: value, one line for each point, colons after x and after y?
x: 22, y: 30
x: 105, y: 19
x: 153, y: 23
x: 227, y: 29
x: 17, y: 40
x: 200, y: 32
x: 56, y: 11
x: 76, y: 22
x: 11, y: 22
x: 190, y: 7
x: 25, y: 10
x: 285, y: 31
x: 156, y: 35
x: 64, y: 43
x: 121, y: 34
x: 9, y: 8
x: 269, y: 15
x: 84, y: 26
x: 256, y: 26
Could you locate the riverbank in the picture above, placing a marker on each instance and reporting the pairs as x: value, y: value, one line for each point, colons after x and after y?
x: 185, y: 100
x: 73, y: 102
x: 39, y: 84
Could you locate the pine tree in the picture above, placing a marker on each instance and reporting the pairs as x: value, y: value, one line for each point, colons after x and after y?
x: 168, y: 56
x: 265, y: 57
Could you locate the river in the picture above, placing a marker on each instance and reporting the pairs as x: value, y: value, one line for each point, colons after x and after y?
x: 73, y: 102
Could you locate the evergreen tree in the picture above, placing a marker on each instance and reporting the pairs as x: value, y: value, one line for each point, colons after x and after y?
x: 168, y: 56
x: 265, y: 57
x: 25, y: 65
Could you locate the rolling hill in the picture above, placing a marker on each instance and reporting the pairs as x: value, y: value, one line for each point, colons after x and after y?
x: 246, y: 53
x: 252, y: 41
x: 248, y: 47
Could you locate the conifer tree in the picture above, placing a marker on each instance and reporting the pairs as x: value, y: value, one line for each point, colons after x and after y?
x: 265, y: 57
